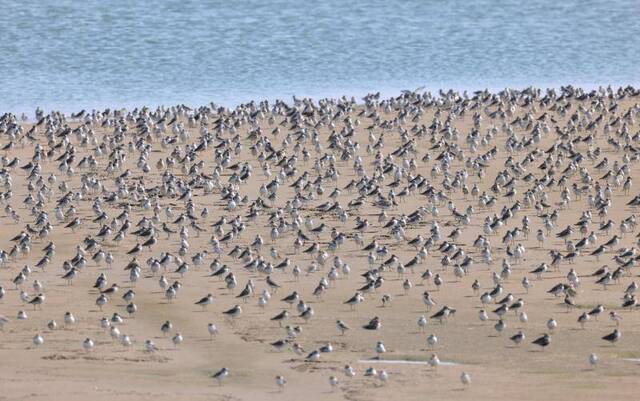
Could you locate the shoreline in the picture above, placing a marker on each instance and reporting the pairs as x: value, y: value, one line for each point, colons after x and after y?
x: 77, y: 106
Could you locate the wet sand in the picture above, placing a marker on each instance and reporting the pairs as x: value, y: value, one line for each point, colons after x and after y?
x: 61, y: 369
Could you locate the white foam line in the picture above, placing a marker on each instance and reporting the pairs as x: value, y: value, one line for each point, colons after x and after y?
x: 631, y: 359
x: 402, y: 362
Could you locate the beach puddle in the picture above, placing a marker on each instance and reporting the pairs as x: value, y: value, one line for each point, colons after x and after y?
x: 406, y: 362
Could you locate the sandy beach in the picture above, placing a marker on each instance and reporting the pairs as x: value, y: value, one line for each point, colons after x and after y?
x: 61, y: 369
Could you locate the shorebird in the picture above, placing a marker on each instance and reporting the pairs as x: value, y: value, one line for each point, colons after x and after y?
x: 428, y: 300
x: 3, y: 321
x: 583, y: 318
x: 38, y: 300
x: 279, y: 345
x: 374, y: 324
x: 314, y: 356
x: 355, y: 300
x: 434, y: 361
x: 518, y: 338
x: 349, y: 371
x: 205, y: 301
x: 422, y: 322
x: 542, y: 341
x: 38, y: 340
x: 150, y: 347
x: 166, y: 328
x: 221, y: 375
x: 613, y: 337
x: 443, y: 314
x: 500, y: 158
x: 177, y: 339
x: 280, y: 317
x: 333, y: 381
x: 101, y: 301
x: 234, y: 312
x: 342, y: 327
x: 212, y: 329
x: 291, y: 298
x: 69, y: 319
x: 465, y: 379
x: 383, y: 376
x: 88, y: 344
x: 615, y: 317
x: 432, y: 340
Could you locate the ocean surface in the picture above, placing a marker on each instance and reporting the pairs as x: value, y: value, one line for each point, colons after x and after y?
x: 69, y: 55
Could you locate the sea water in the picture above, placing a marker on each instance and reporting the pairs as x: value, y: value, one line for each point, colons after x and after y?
x: 71, y: 55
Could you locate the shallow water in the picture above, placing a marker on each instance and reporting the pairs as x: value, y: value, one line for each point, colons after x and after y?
x: 405, y: 362
x: 82, y: 54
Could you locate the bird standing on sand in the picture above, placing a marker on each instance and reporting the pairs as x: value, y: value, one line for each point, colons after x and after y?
x: 333, y: 381
x: 542, y: 341
x: 221, y: 375
x: 38, y: 340
x: 465, y: 379
x: 613, y: 337
x: 205, y: 301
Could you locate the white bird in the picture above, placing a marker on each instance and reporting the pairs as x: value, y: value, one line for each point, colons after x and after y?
x: 465, y: 378
x: 114, y: 332
x: 38, y: 340
x: 125, y: 340
x: 101, y: 301
x: 333, y: 381
x: 432, y: 340
x: 422, y: 322
x: 523, y: 317
x: 149, y: 346
x: 177, y: 339
x: 213, y: 330
x: 69, y: 319
x: 348, y: 371
x: 87, y: 344
x: 383, y: 376
x: 434, y: 361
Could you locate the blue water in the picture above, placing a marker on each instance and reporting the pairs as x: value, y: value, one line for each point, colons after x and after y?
x: 71, y: 55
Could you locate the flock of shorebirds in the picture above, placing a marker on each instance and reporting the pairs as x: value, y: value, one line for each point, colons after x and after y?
x: 374, y: 179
